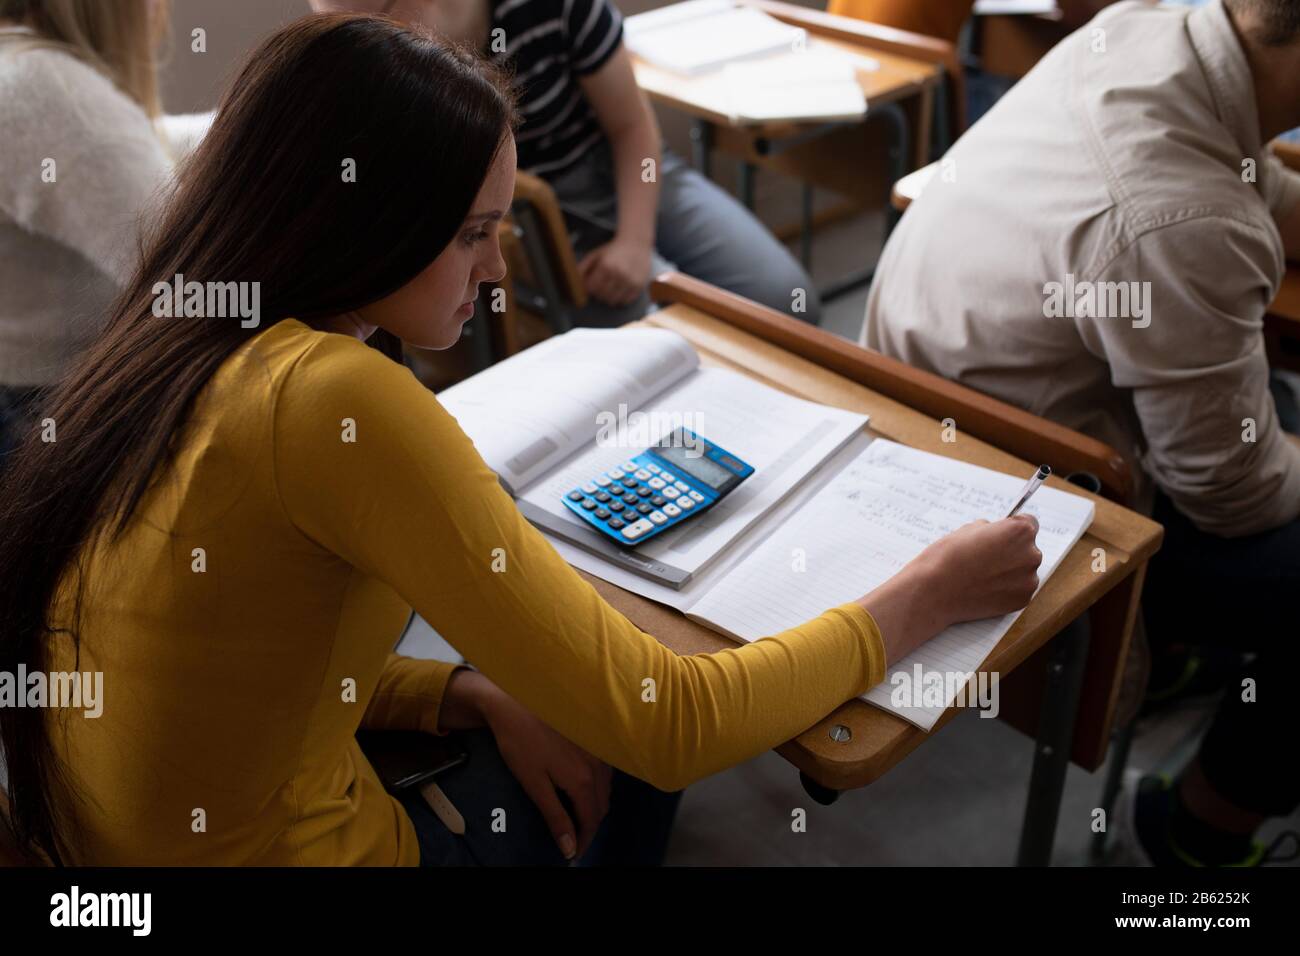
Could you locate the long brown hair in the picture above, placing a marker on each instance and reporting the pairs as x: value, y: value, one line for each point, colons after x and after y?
x: 117, y: 37
x: 263, y: 199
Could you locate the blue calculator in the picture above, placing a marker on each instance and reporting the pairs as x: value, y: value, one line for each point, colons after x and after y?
x: 666, y: 484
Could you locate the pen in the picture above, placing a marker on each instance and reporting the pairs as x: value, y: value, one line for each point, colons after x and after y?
x: 1039, y: 477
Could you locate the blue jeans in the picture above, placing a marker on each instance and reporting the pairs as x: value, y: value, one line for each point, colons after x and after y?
x: 700, y: 230
x: 634, y: 832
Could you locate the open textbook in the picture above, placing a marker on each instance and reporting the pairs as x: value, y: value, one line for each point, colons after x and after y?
x: 579, y: 404
x: 830, y: 513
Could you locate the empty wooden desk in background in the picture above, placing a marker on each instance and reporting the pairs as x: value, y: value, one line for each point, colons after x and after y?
x: 1044, y: 684
x: 851, y: 159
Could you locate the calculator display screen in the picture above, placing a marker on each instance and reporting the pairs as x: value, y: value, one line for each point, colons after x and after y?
x: 694, y: 464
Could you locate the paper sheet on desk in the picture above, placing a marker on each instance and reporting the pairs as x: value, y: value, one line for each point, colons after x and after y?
x: 875, y: 516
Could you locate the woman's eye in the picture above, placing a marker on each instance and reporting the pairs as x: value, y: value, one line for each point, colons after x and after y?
x: 476, y: 236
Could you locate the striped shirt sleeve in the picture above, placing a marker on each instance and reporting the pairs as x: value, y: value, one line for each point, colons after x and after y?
x: 594, y: 28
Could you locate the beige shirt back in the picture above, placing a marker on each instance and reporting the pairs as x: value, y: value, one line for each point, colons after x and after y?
x: 1101, y: 248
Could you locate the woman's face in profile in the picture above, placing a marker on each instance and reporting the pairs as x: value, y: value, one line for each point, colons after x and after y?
x: 429, y: 311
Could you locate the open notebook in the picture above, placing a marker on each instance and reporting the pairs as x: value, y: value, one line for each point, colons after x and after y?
x: 578, y: 404
x: 838, y: 513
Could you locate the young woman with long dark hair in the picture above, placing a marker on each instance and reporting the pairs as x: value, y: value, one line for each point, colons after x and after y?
x: 233, y: 521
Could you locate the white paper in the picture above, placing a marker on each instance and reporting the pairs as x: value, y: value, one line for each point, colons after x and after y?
x: 705, y: 36
x: 800, y: 86
x: 877, y: 514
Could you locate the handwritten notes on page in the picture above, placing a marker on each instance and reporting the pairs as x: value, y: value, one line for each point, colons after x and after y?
x: 881, y: 511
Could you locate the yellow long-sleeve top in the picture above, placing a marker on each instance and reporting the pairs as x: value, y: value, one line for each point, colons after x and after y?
x: 319, y: 492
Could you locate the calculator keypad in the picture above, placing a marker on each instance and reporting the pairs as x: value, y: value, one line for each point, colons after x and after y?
x: 635, y: 499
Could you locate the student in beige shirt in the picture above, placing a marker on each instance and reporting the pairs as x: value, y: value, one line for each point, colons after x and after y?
x: 1101, y: 249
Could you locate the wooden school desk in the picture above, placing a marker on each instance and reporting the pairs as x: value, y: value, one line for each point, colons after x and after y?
x: 858, y: 743
x: 847, y: 158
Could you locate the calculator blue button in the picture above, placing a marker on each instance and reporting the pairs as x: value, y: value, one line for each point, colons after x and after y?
x: 615, y: 523
x: 588, y: 504
x: 630, y: 498
x: 644, y: 508
x: 575, y: 495
x: 643, y: 491
x: 629, y: 482
x: 602, y: 513
x: 658, y: 500
x: 601, y: 496
x: 616, y: 506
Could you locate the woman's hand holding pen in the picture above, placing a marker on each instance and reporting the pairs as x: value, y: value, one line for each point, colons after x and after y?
x: 980, y: 570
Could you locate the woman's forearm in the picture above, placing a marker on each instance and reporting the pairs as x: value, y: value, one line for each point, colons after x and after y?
x: 464, y: 700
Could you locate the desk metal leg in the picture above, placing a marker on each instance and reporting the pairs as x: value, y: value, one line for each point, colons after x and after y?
x: 1065, y: 669
x: 746, y: 184
x: 823, y: 795
x: 702, y: 145
x: 1119, y: 750
x: 899, y: 149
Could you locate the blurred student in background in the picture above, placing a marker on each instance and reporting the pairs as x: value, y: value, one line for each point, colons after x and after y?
x: 86, y: 149
x: 589, y: 132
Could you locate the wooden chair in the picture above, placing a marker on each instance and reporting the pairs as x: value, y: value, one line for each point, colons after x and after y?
x: 542, y: 264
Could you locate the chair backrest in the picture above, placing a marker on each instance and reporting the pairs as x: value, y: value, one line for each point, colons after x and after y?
x: 544, y: 254
x: 1012, y: 429
x: 917, y: 46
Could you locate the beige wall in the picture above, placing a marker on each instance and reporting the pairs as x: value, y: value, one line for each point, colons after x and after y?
x: 193, y: 81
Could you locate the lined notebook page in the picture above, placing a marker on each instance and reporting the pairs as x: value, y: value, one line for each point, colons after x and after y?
x: 881, y: 511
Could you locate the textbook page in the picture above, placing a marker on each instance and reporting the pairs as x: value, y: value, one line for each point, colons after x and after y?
x: 783, y: 437
x: 877, y: 514
x: 530, y: 412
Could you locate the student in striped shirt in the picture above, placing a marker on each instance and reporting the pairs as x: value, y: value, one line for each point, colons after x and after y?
x: 589, y: 132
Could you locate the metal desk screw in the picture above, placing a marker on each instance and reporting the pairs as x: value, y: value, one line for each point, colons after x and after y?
x: 841, y: 734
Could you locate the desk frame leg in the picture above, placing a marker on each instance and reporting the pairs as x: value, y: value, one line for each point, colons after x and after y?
x: 1065, y: 671
x: 900, y: 149
x: 702, y: 146
x: 746, y: 184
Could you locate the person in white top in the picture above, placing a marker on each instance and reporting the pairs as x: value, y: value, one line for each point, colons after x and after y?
x: 86, y: 150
